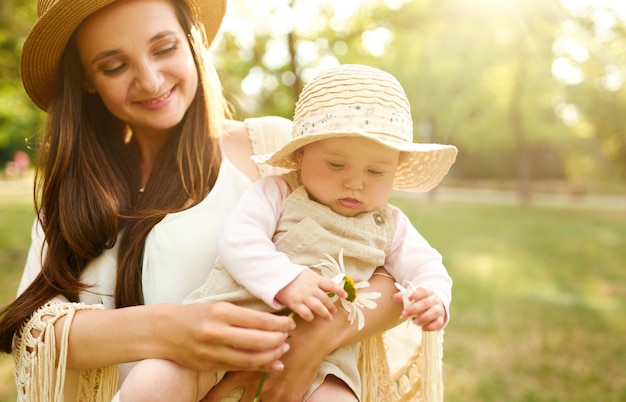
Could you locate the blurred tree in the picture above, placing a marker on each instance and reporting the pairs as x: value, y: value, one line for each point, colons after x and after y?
x: 19, y: 118
x: 592, y: 52
x: 486, y: 75
x: 266, y: 51
x: 478, y: 73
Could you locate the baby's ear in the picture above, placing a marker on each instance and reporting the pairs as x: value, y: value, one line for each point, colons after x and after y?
x: 298, y: 154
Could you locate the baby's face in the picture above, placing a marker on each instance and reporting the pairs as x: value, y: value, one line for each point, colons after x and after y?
x: 350, y: 175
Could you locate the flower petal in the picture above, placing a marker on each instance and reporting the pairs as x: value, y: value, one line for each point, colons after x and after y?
x: 338, y: 279
x: 400, y: 287
x: 366, y: 300
x: 360, y: 319
x: 406, y: 292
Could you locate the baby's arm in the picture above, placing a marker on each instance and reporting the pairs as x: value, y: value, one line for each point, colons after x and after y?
x: 308, y: 295
x: 416, y: 265
x: 245, y: 245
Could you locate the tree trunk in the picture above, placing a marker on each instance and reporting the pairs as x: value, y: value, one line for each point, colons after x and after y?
x: 521, y: 140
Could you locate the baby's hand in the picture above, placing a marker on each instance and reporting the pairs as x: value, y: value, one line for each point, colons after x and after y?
x: 308, y: 295
x: 423, y: 307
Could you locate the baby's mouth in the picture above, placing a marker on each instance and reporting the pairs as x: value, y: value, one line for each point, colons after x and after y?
x: 351, y: 203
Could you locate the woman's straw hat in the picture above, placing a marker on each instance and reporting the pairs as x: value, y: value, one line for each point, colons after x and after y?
x: 360, y: 101
x: 58, y: 19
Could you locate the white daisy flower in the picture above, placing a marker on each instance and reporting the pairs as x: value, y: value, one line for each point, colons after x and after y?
x: 356, y: 299
x: 406, y: 292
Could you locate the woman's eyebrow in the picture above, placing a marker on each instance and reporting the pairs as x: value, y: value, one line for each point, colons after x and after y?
x: 103, y: 55
x: 113, y: 52
x: 162, y: 34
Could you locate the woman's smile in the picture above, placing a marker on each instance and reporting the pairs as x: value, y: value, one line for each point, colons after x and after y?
x: 159, y: 102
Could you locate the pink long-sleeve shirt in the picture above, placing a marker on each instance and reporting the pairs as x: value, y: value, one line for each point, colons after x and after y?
x: 246, y: 249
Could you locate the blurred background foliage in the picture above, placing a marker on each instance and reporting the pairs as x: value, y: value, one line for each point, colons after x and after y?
x: 529, y: 90
x: 19, y: 117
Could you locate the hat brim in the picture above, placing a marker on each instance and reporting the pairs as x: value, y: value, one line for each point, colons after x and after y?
x: 46, y: 41
x: 422, y: 166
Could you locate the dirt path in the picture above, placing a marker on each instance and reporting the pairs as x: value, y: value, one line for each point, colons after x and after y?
x: 486, y: 196
x: 16, y: 186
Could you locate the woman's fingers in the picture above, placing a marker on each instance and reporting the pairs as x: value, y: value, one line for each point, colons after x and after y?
x: 247, y: 318
x: 222, y: 336
x: 242, y: 359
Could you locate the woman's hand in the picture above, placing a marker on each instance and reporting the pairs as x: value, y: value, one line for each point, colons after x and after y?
x: 310, y: 343
x: 222, y: 336
x: 200, y: 336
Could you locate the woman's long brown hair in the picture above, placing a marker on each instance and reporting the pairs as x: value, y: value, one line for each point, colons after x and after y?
x: 87, y: 181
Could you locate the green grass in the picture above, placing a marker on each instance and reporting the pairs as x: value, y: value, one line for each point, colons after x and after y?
x: 539, y: 298
x: 16, y: 218
x: 539, y: 301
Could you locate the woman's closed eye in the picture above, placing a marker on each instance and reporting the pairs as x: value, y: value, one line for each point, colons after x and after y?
x: 165, y: 50
x: 112, y: 68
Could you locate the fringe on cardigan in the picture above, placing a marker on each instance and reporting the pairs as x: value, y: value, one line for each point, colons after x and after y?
x: 418, y: 377
x: 38, y: 377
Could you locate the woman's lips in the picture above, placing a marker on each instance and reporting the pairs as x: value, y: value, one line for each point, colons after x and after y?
x: 158, y: 102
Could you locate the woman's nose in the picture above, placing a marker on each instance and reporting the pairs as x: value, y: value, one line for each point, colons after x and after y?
x: 148, y: 78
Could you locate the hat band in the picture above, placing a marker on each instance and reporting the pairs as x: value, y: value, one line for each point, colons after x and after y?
x: 389, y: 125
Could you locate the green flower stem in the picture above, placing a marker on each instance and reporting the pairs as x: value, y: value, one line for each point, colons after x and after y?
x: 257, y: 395
x: 259, y: 388
x: 348, y: 286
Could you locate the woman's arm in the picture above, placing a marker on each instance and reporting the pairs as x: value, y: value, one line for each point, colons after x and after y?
x: 219, y: 336
x: 310, y: 343
x: 202, y: 336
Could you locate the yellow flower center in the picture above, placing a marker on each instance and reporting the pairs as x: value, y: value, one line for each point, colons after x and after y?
x: 348, y: 286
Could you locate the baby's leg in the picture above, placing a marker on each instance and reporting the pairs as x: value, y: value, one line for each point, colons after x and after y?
x: 163, y: 380
x: 332, y: 389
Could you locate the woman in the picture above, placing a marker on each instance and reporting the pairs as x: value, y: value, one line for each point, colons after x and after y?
x: 136, y: 170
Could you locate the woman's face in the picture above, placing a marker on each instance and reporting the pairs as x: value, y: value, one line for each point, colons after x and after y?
x: 136, y: 56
